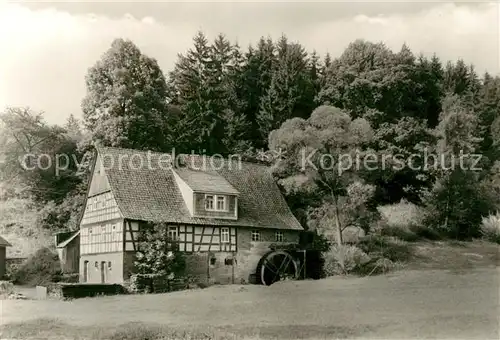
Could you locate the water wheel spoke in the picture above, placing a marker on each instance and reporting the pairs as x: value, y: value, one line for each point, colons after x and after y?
x: 267, y: 264
x: 275, y: 266
x: 282, y: 268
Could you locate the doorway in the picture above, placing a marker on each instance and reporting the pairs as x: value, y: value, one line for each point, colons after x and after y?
x: 103, y: 271
x: 85, y: 271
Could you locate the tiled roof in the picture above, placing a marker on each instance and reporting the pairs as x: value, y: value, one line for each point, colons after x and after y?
x: 150, y: 193
x: 205, y: 182
x: 4, y: 243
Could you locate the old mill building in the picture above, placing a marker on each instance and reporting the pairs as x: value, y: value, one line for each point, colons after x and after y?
x: 227, y: 210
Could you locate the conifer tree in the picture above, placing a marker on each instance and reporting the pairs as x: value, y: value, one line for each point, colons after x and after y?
x: 291, y: 91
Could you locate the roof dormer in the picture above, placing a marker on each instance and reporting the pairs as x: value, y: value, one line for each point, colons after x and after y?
x: 207, y: 194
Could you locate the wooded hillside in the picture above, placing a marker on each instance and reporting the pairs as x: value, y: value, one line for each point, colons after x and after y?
x: 274, y: 98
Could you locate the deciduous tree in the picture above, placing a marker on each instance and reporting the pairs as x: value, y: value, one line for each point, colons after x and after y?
x: 318, y: 159
x: 125, y: 104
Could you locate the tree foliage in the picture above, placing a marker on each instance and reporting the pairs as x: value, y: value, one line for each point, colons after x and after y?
x: 273, y: 100
x: 125, y: 104
x: 319, y: 154
x: 458, y: 200
x: 31, y: 148
x: 158, y: 253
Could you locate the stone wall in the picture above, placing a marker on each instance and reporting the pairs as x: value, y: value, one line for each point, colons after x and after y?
x: 212, y: 268
x: 250, y: 252
x: 238, y: 267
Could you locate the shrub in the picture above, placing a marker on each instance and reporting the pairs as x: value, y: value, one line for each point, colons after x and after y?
x: 402, y: 232
x: 143, y: 283
x: 401, y: 214
x: 154, y: 283
x: 11, y: 270
x: 401, y: 220
x: 379, y: 265
x: 456, y: 204
x: 425, y: 232
x: 67, y: 278
x: 158, y: 254
x: 490, y: 227
x: 344, y: 259
x: 6, y: 288
x: 41, y: 268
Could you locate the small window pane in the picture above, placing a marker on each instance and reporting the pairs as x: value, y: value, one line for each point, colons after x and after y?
x: 221, y: 203
x: 209, y: 202
x: 255, y: 235
x: 225, y: 235
x: 279, y: 236
x: 172, y: 233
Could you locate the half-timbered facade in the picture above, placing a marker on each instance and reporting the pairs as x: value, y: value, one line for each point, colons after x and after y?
x: 223, y: 212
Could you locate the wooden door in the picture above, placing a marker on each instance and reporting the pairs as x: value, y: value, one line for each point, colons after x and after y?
x: 103, y: 271
x: 85, y: 271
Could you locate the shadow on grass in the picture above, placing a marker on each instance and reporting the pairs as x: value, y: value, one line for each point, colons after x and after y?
x: 296, y: 332
x: 386, y: 247
x: 49, y: 328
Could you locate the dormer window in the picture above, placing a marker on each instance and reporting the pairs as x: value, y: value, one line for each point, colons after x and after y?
x: 221, y: 203
x: 215, y: 203
x: 209, y: 202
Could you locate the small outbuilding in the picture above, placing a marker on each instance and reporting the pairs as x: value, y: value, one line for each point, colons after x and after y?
x: 68, y: 250
x: 3, y: 254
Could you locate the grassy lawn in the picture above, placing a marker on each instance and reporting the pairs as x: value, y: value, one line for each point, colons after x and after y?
x: 412, y: 303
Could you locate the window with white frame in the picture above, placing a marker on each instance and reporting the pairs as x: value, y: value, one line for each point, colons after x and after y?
x: 255, y: 235
x: 216, y: 203
x: 209, y: 202
x: 279, y: 236
x: 173, y: 233
x: 221, y: 203
x: 224, y: 237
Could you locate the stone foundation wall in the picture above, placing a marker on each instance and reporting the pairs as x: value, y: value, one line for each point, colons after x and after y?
x: 250, y: 252
x: 212, y: 268
x: 238, y: 267
x: 208, y: 268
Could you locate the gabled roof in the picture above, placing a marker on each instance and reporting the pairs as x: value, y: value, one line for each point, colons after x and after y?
x: 201, y: 181
x: 4, y: 243
x: 150, y: 193
x: 68, y: 240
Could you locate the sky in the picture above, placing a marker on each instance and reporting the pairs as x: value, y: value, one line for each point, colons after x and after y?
x: 46, y: 48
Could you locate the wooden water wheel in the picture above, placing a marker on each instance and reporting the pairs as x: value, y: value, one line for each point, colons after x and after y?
x: 276, y: 266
